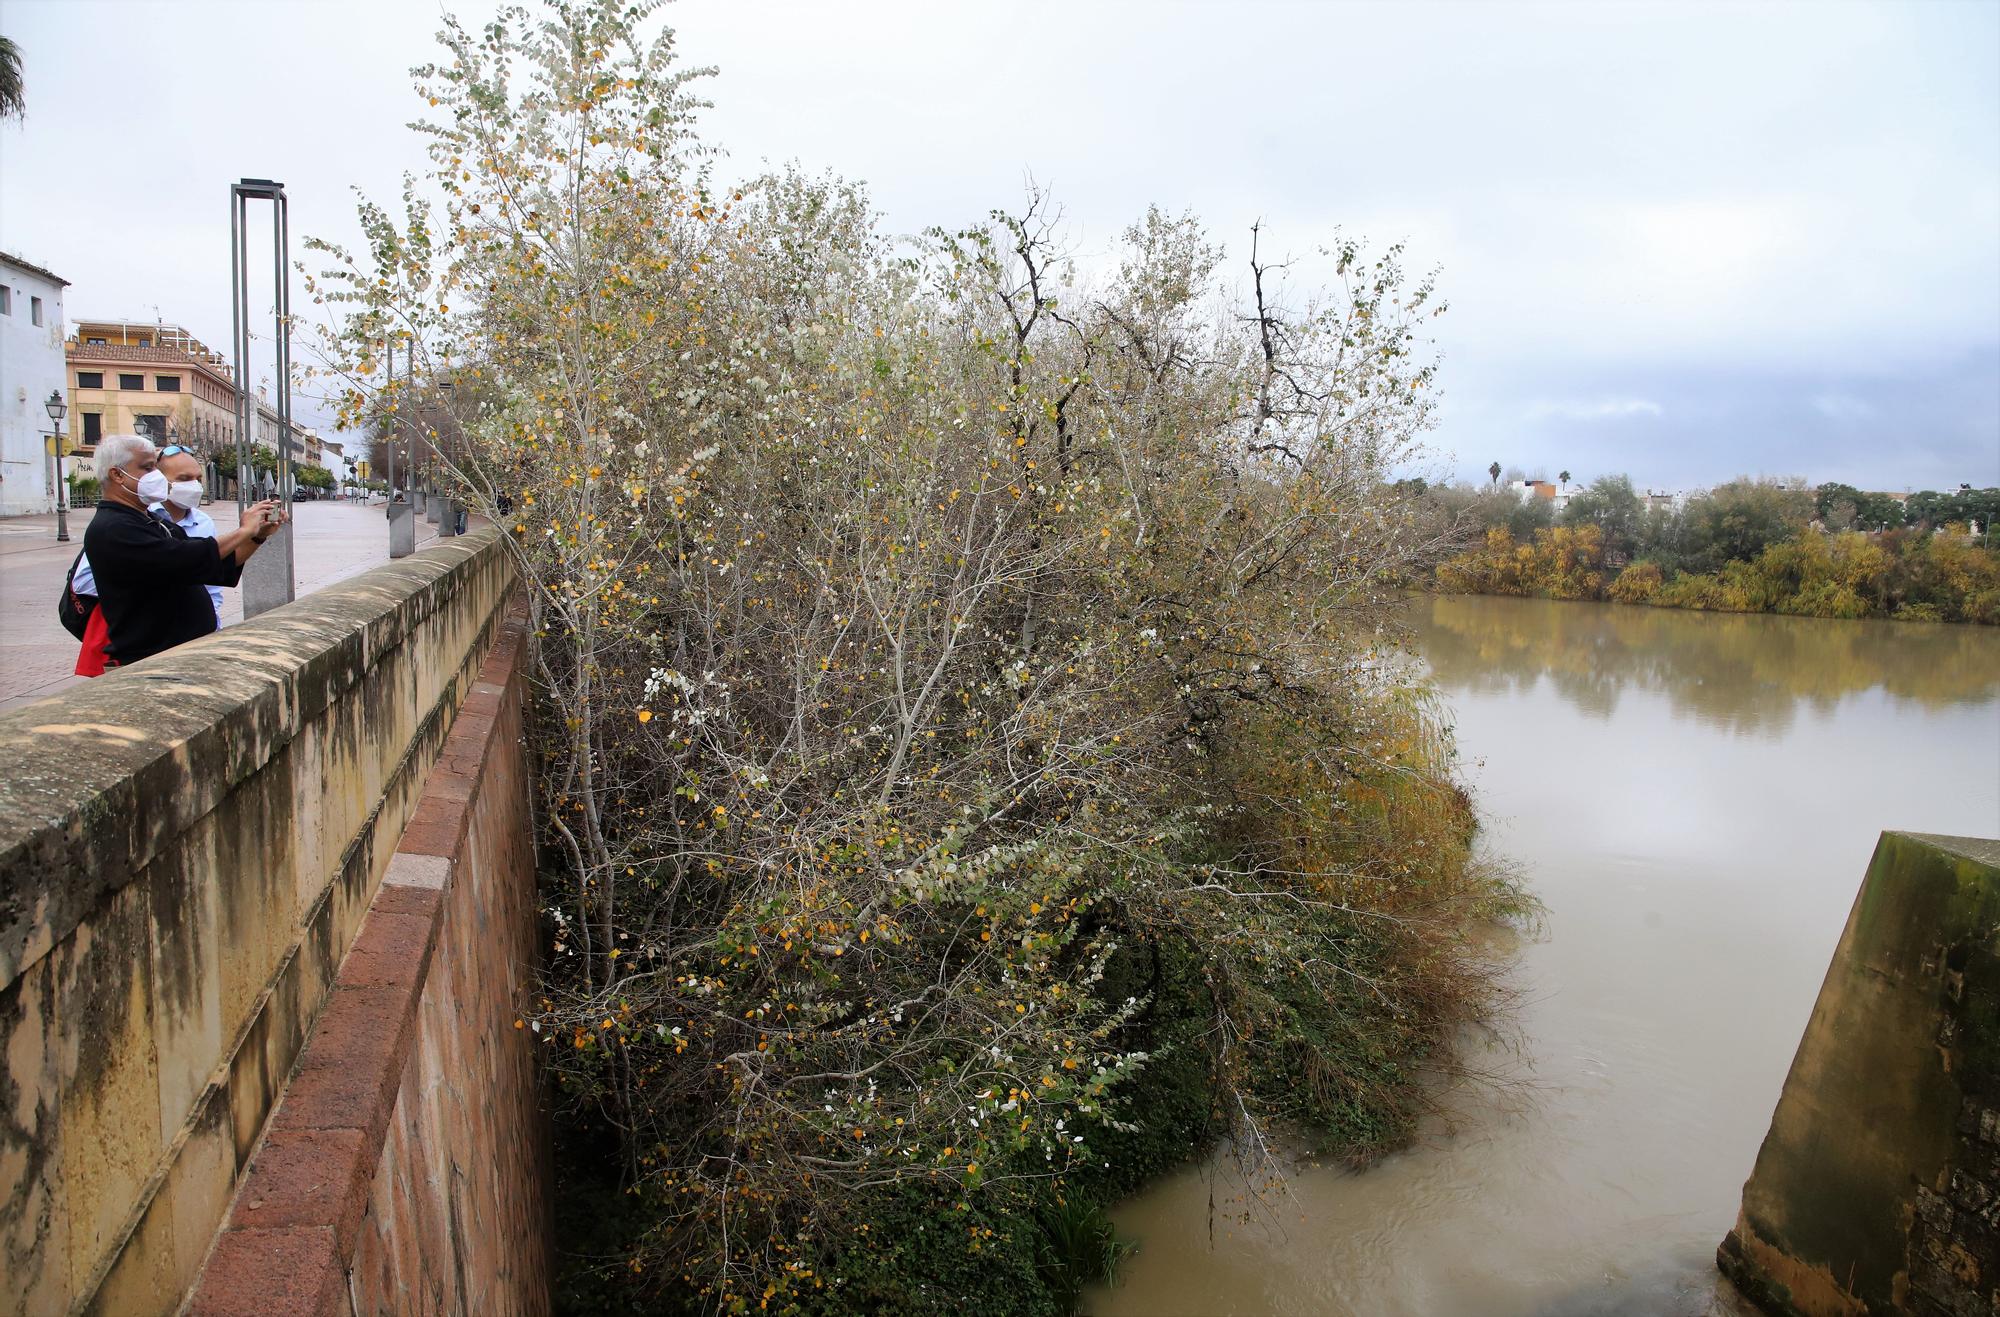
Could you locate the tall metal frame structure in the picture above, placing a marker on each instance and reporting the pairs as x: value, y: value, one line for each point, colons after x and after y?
x: 268, y: 580
x: 403, y: 515
x: 388, y: 425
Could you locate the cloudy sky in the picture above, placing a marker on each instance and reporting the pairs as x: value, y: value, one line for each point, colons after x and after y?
x: 1683, y: 241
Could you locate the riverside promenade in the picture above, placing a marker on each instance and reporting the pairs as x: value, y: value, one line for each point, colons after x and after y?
x: 334, y: 541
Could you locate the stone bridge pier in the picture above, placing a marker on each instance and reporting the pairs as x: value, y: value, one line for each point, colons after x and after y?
x: 267, y: 926
x: 1877, y: 1190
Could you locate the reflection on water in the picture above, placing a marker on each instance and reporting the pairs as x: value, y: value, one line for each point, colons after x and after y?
x: 1694, y: 797
x: 1750, y: 673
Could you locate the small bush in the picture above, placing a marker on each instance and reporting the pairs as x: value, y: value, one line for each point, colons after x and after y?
x: 1637, y: 584
x: 1825, y: 599
x: 1982, y: 606
x: 1077, y: 1247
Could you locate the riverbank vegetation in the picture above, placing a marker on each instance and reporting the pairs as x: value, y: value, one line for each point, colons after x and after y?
x: 1748, y: 546
x: 974, y: 771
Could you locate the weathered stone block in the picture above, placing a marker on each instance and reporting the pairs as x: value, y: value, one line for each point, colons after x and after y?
x: 1871, y: 1191
x: 289, y: 1271
x: 187, y: 954
x: 150, y: 1274
x: 1933, y: 1209
x: 34, y: 1215
x: 315, y: 1177
x: 111, y: 1137
x: 1968, y: 1193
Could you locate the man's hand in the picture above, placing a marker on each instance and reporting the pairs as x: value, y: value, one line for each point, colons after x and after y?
x: 263, y: 519
x: 260, y: 522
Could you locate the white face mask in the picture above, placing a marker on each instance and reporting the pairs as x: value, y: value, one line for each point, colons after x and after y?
x: 152, y: 487
x: 185, y: 494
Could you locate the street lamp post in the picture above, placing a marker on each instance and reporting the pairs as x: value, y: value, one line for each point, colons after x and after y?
x: 268, y: 578
x: 57, y: 409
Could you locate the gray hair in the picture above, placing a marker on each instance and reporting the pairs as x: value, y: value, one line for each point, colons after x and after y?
x: 117, y: 450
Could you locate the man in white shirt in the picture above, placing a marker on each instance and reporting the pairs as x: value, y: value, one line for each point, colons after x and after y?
x: 182, y: 505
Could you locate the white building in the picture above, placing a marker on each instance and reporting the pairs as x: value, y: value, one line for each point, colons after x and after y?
x: 307, y: 446
x: 31, y: 368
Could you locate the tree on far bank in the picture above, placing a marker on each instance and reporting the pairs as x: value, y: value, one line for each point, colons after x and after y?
x: 1931, y: 508
x: 1612, y: 505
x: 1737, y: 519
x: 1843, y: 507
x: 1494, y: 472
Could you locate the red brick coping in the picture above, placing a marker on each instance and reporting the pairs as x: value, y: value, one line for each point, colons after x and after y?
x: 292, y: 1228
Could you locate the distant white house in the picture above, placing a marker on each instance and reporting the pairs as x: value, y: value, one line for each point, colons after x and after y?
x: 31, y: 368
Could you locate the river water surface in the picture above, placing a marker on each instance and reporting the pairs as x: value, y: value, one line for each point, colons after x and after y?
x: 1694, y: 797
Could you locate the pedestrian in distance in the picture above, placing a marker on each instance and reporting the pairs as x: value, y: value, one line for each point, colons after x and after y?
x: 151, y: 576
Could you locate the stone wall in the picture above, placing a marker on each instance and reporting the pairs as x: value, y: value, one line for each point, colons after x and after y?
x: 187, y: 848
x: 405, y: 1168
x: 1878, y: 1186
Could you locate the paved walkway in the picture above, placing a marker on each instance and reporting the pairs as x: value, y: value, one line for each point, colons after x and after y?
x: 333, y: 542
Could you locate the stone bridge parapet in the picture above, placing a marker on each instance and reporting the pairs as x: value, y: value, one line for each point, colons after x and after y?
x: 199, y: 872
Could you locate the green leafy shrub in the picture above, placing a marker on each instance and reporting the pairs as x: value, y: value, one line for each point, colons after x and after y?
x: 1077, y: 1247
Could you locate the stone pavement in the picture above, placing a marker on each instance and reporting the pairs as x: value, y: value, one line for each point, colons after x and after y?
x: 333, y: 542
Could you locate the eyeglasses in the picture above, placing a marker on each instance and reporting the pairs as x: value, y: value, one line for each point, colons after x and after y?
x: 171, y: 449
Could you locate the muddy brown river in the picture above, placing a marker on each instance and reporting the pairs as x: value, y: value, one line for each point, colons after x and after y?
x: 1694, y: 797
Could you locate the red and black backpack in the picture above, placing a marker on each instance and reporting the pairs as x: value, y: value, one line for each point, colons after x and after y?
x: 73, y: 610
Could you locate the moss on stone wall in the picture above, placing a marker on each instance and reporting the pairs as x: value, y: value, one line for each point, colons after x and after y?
x: 1878, y: 1186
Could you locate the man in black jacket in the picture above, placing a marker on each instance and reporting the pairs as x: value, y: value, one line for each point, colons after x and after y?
x: 150, y: 573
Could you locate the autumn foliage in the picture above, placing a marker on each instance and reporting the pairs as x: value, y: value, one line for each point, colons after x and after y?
x: 1911, y: 575
x: 926, y: 634
x: 1746, y: 546
x: 1560, y: 562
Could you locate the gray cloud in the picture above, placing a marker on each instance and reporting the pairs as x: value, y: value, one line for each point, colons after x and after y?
x: 1725, y: 212
x: 1929, y: 426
